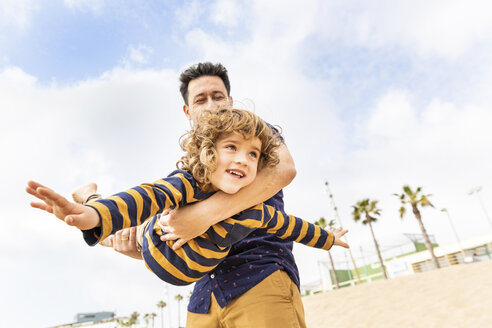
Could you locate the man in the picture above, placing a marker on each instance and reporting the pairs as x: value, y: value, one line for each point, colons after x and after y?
x: 257, y: 285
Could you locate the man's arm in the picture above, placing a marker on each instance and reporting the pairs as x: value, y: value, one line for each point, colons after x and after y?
x: 193, y: 220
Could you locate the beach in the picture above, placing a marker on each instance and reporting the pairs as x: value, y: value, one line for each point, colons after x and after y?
x: 456, y: 296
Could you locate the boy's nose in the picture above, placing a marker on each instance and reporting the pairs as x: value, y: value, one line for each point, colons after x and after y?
x: 240, y: 157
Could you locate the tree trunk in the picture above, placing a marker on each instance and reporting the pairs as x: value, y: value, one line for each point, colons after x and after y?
x: 333, y: 269
x: 427, y: 241
x: 179, y: 310
x: 383, y: 269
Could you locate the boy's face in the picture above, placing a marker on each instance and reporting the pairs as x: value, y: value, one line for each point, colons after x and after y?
x: 237, y: 162
x: 206, y: 92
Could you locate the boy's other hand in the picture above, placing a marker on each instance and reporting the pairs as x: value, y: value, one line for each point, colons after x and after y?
x: 339, y: 233
x: 80, y: 216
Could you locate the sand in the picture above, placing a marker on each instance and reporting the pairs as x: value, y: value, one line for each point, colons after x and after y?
x: 457, y: 296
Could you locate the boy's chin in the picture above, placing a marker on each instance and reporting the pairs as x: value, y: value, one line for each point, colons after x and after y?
x: 231, y: 190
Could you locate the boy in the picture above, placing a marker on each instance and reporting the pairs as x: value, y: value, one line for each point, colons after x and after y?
x: 223, y: 152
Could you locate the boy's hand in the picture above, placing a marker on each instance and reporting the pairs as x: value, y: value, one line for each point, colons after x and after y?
x: 181, y: 227
x: 339, y: 233
x: 80, y: 216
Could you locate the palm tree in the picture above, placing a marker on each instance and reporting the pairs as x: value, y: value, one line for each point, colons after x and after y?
x: 322, y: 223
x: 415, y: 199
x: 146, y: 318
x: 152, y: 316
x: 369, y: 209
x: 161, y: 305
x: 133, y: 318
x: 130, y: 322
x: 178, y: 298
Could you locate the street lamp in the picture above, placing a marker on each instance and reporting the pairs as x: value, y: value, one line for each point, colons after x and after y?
x: 332, y: 200
x: 455, y: 233
x: 476, y: 190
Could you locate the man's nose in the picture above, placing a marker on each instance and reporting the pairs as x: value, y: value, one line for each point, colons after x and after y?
x: 210, y: 104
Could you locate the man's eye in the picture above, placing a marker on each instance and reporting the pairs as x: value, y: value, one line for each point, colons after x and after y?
x: 219, y: 97
x: 200, y: 101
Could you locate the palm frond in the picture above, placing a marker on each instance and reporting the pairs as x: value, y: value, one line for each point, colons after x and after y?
x: 424, y: 201
x: 402, y: 211
x: 408, y: 191
x: 321, y: 222
x: 356, y: 216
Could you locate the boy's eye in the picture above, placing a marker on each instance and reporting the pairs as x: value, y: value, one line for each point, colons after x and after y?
x: 231, y: 147
x: 253, y: 154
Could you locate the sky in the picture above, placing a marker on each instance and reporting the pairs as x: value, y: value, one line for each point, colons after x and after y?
x: 370, y: 96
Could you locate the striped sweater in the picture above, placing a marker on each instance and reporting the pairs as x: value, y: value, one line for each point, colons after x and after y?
x: 203, y: 253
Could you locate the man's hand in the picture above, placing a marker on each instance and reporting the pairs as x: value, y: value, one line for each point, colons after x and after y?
x: 124, y: 242
x: 80, y: 216
x: 339, y: 233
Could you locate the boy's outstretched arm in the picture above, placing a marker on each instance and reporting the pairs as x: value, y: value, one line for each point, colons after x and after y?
x: 191, y: 221
x: 73, y: 214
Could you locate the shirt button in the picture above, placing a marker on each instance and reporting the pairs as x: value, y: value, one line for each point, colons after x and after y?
x: 212, y: 276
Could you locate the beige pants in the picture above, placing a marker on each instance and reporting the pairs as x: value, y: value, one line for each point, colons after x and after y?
x: 273, y: 303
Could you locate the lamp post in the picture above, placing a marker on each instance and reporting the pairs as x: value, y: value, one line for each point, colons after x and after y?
x: 455, y: 233
x: 476, y: 190
x: 344, y: 237
x: 166, y: 290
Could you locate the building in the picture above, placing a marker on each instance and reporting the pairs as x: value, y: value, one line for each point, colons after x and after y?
x: 403, y: 259
x: 99, y: 320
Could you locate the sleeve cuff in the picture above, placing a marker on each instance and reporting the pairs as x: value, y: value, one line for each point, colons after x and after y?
x: 94, y: 236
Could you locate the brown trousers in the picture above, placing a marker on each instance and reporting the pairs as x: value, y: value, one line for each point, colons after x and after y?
x: 273, y: 303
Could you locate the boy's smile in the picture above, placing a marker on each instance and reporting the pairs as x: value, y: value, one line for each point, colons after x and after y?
x: 237, y: 162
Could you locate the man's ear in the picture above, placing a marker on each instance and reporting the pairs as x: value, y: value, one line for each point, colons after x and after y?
x: 231, y: 101
x: 186, y: 110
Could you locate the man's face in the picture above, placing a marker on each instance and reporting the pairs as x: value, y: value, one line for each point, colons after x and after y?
x: 206, y: 92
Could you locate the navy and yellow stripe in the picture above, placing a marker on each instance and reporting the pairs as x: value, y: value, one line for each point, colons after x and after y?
x: 135, y: 206
x: 201, y: 254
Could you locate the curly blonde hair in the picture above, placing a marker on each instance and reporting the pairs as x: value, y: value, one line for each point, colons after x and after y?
x: 199, y: 143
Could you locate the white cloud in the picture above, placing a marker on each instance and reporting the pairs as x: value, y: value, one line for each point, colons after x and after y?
x: 95, y: 6
x: 392, y: 118
x: 447, y: 29
x: 189, y: 13
x: 17, y: 12
x: 139, y: 54
x: 226, y: 13
x: 14, y: 77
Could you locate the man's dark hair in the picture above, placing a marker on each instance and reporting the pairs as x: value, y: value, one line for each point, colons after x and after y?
x: 199, y: 70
